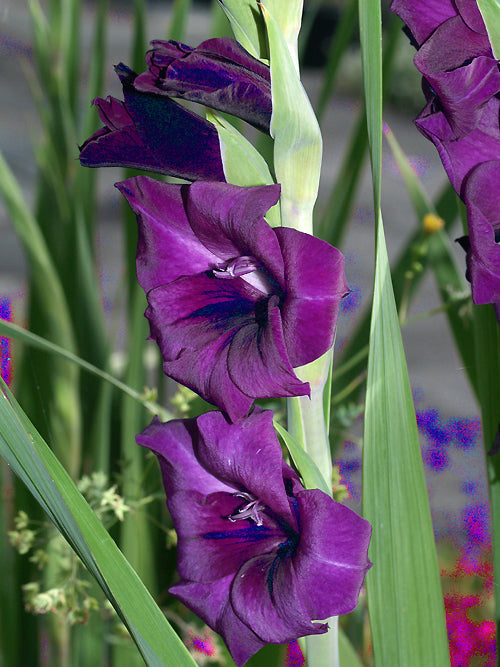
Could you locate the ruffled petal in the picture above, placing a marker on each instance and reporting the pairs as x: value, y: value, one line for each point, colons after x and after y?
x: 218, y: 73
x: 173, y: 442
x: 210, y: 546
x: 315, y: 280
x: 258, y: 361
x: 482, y: 197
x: 211, y: 603
x: 333, y: 550
x: 167, y: 247
x: 247, y: 455
x: 461, y: 155
x: 267, y: 596
x: 423, y: 16
x: 229, y: 221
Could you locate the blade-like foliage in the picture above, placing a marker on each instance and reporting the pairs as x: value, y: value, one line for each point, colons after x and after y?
x: 31, y: 459
x: 404, y: 591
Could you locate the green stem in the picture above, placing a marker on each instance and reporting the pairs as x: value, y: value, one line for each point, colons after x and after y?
x: 306, y: 423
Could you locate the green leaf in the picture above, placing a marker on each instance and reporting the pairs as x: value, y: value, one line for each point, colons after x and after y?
x: 309, y: 471
x: 347, y: 654
x: 243, y: 164
x: 404, y: 590
x: 31, y: 459
x: 247, y: 25
x: 449, y: 279
x: 11, y: 330
x: 490, y: 10
x: 296, y: 133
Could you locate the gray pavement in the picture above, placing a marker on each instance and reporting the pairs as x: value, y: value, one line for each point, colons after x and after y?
x: 434, y: 366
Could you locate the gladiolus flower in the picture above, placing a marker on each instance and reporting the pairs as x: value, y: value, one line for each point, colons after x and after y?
x: 219, y: 73
x: 260, y: 558
x: 234, y: 304
x: 153, y: 133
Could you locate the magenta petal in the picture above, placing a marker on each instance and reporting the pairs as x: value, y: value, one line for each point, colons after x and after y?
x: 333, y: 549
x: 218, y: 73
x: 316, y: 283
x: 202, y: 526
x: 461, y: 155
x: 234, y: 453
x: 229, y: 221
x: 423, y: 16
x: 181, y: 470
x: 267, y: 596
x: 482, y: 196
x: 258, y: 362
x: 211, y: 603
x: 164, y: 231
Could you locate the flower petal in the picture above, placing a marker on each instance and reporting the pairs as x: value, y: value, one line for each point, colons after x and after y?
x: 333, y: 549
x: 423, y: 16
x: 218, y: 73
x: 267, y: 596
x: 315, y: 280
x: 210, y: 546
x: 167, y: 247
x: 211, y: 603
x: 173, y: 442
x: 229, y: 221
x: 258, y: 361
x: 193, y: 320
x: 461, y: 155
x: 247, y: 455
x: 482, y: 196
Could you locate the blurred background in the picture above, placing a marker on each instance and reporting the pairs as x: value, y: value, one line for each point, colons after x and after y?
x: 33, y: 137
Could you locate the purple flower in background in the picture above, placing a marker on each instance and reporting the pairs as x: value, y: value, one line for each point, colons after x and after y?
x: 152, y: 133
x: 218, y: 73
x: 461, y: 82
x: 234, y: 305
x: 259, y: 557
x: 482, y: 197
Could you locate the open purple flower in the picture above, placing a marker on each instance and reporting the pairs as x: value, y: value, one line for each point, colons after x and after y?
x: 218, y: 73
x: 234, y: 305
x: 482, y: 196
x: 259, y: 557
x: 153, y: 133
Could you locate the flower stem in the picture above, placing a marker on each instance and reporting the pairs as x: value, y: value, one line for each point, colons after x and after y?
x: 306, y: 423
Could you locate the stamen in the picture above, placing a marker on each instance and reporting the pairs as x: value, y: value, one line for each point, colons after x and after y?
x: 248, y: 269
x: 251, y: 510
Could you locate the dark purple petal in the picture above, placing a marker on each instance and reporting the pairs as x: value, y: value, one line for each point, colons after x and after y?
x: 155, y: 134
x: 423, y: 16
x: 482, y: 197
x: 258, y: 362
x: 229, y: 221
x: 211, y: 603
x: 173, y: 444
x: 193, y: 320
x: 457, y: 62
x: 469, y: 11
x: 247, y: 455
x: 461, y: 155
x: 333, y: 549
x: 267, y: 596
x: 210, y: 546
x: 164, y: 232
x: 218, y: 73
x: 315, y: 284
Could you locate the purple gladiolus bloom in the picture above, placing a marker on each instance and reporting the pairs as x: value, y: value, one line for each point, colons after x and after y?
x: 482, y: 197
x: 218, y: 73
x: 260, y: 558
x: 234, y: 305
x: 153, y: 133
